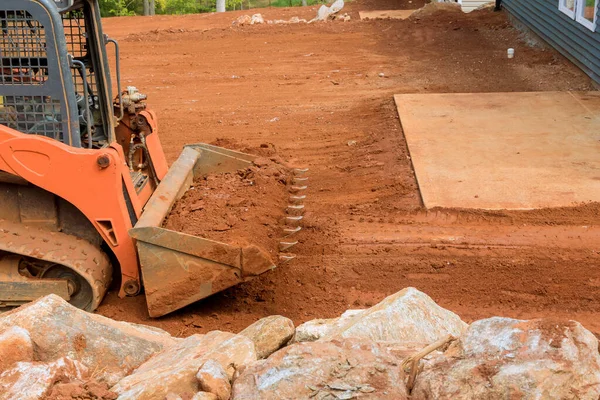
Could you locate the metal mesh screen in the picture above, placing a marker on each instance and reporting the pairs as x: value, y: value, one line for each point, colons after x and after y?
x: 38, y: 115
x: 75, y: 35
x: 22, y: 49
x: 24, y: 63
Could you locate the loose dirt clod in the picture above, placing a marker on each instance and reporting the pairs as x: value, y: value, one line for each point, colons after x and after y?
x: 239, y: 208
x: 90, y: 389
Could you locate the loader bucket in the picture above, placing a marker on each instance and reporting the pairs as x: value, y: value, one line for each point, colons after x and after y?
x: 179, y: 269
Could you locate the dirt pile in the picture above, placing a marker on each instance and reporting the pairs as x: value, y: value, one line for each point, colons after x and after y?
x: 240, y: 208
x: 435, y: 7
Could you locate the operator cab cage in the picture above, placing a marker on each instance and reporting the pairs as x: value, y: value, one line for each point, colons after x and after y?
x: 54, y: 78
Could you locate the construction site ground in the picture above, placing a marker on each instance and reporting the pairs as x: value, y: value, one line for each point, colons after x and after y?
x: 322, y: 94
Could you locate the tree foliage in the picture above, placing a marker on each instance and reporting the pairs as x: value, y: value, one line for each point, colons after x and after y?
x: 118, y: 8
x: 115, y: 8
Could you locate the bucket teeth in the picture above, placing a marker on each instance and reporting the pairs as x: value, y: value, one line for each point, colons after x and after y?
x: 292, y: 222
x: 293, y: 219
x: 286, y: 245
x: 299, y: 181
x: 283, y: 258
x: 296, y: 189
x: 295, y: 207
x: 300, y: 171
x: 291, y: 231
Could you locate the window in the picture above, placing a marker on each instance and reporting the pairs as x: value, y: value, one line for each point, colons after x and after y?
x: 568, y: 7
x: 587, y: 12
x: 583, y: 11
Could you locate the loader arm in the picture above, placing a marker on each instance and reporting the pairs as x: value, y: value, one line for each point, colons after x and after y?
x: 93, y: 181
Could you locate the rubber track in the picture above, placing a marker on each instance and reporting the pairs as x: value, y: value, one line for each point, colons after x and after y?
x: 72, y: 252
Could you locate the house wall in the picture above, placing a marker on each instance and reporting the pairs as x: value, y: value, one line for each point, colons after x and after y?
x: 569, y: 37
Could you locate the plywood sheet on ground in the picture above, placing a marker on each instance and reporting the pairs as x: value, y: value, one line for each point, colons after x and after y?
x: 385, y: 14
x: 504, y: 150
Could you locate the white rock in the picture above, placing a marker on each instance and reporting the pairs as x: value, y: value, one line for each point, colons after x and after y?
x: 174, y: 370
x: 296, y: 20
x: 269, y: 334
x: 336, y: 6
x: 243, y: 20
x: 213, y: 378
x: 409, y: 316
x: 341, y: 369
x: 502, y: 358
x: 257, y: 19
x: 33, y: 380
x: 317, y: 328
x: 113, y: 349
x: 324, y: 12
x: 204, y: 396
x: 15, y: 346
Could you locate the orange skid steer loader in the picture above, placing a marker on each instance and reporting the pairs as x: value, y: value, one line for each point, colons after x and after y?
x: 84, y: 184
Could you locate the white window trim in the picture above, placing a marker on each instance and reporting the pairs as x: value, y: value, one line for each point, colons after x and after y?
x: 580, y: 10
x: 562, y: 6
x: 578, y: 13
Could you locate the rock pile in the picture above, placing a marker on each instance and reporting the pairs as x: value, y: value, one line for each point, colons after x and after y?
x: 324, y: 13
x: 406, y: 346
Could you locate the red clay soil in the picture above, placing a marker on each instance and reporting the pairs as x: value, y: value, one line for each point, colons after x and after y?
x: 90, y: 389
x: 241, y: 208
x: 322, y: 95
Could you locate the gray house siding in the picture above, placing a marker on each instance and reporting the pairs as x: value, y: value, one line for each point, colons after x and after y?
x: 569, y: 37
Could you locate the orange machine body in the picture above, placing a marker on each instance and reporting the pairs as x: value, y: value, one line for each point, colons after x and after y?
x: 96, y: 181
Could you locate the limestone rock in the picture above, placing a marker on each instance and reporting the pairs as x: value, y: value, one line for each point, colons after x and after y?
x: 296, y: 20
x: 339, y: 369
x: 174, y: 370
x: 34, y: 380
x: 317, y: 328
x: 111, y: 348
x: 257, y: 19
x: 409, y: 316
x: 336, y: 6
x: 502, y: 358
x: 204, y: 396
x: 324, y: 12
x: 213, y: 379
x: 269, y: 334
x: 15, y: 346
x: 243, y: 20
